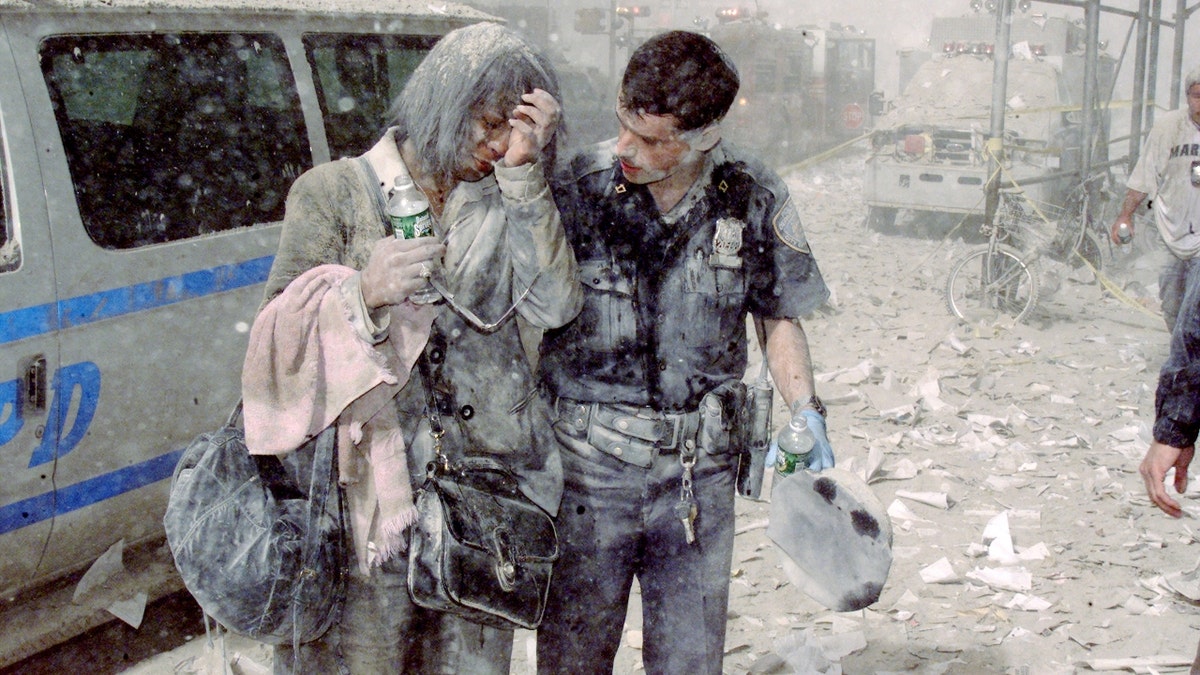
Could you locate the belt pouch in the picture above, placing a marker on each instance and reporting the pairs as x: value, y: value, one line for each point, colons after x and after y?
x: 754, y: 438
x: 623, y: 447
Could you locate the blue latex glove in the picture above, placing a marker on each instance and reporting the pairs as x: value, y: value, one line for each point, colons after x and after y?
x: 822, y: 452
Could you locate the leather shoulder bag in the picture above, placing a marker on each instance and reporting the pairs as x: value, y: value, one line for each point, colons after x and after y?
x: 480, y: 548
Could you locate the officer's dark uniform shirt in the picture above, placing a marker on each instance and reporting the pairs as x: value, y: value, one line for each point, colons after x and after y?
x: 665, y: 297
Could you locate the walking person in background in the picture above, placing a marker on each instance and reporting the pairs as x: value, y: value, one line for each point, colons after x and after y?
x: 1169, y: 170
x: 677, y: 238
x: 475, y: 129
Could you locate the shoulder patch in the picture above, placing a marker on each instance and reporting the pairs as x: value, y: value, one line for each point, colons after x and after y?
x: 786, y: 224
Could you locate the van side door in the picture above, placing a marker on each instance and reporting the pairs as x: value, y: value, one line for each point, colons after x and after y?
x: 166, y: 156
x: 29, y: 354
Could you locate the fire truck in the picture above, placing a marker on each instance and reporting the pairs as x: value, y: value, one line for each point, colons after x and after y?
x: 803, y: 89
x: 928, y: 151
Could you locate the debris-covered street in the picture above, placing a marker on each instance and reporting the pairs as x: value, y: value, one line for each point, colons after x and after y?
x: 1005, y: 455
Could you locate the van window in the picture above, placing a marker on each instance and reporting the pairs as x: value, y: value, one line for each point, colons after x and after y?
x: 357, y: 78
x: 175, y: 136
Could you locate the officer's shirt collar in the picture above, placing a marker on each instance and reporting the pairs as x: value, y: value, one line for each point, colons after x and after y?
x: 696, y: 192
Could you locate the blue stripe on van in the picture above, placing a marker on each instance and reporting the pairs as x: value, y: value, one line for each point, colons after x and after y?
x: 29, y: 322
x: 91, y: 491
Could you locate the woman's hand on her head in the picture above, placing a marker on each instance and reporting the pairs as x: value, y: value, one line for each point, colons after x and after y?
x: 533, y: 125
x: 397, y: 269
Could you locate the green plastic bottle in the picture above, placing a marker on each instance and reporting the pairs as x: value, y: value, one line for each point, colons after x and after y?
x: 795, y: 446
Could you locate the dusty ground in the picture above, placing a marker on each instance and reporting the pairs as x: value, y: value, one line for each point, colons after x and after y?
x: 1040, y: 426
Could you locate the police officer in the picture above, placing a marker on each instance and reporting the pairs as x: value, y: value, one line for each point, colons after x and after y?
x: 677, y: 236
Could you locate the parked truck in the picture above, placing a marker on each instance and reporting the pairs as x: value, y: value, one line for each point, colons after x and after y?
x: 928, y: 151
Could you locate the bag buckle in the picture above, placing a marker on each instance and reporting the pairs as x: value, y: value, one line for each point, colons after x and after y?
x: 506, y: 564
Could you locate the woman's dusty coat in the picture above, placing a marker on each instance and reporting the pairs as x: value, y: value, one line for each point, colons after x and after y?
x: 503, y: 235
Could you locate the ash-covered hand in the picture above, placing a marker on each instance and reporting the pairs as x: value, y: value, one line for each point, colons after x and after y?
x: 1159, y: 459
x: 533, y: 125
x: 398, y: 268
x: 1121, y: 231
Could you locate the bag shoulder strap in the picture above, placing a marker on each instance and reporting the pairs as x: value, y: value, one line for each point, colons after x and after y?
x: 371, y: 179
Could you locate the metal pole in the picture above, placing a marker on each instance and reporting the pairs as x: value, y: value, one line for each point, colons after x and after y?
x: 1139, y: 81
x: 1152, y: 62
x: 995, y: 143
x: 1181, y: 18
x: 612, y: 43
x: 1091, y: 55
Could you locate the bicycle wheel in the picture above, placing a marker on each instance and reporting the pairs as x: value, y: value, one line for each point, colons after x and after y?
x: 987, y: 284
x: 1090, y: 248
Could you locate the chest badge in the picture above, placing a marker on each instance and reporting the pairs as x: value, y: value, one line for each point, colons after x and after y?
x: 727, y: 243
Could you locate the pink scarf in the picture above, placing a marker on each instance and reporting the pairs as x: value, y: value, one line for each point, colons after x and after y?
x: 306, y: 367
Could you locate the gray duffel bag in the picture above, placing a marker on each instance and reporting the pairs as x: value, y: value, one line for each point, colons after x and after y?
x: 259, y: 540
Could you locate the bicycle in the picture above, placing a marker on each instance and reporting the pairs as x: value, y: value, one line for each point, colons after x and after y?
x: 1002, y: 277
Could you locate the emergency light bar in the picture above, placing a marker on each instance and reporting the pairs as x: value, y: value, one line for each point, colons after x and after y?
x: 732, y: 14
x: 990, y: 5
x: 983, y: 48
x: 633, y: 11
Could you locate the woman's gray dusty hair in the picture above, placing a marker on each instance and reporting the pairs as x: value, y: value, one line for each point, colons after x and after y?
x: 478, y: 68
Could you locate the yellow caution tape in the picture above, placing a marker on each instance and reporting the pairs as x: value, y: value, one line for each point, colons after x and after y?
x: 818, y: 158
x: 1103, y: 280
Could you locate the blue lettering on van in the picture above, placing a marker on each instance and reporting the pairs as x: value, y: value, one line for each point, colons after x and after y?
x: 28, y: 322
x: 82, y: 378
x: 79, y: 377
x: 10, y: 414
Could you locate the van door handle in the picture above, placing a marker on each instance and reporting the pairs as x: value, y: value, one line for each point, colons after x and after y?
x: 35, y: 384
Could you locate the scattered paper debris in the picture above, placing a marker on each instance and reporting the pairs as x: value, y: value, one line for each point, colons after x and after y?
x: 1138, y: 664
x: 109, y: 564
x: 1003, y: 578
x: 999, y: 540
x: 1028, y: 603
x: 898, y: 510
x: 938, y: 499
x: 130, y: 611
x: 1186, y: 583
x: 840, y: 645
x: 939, y: 572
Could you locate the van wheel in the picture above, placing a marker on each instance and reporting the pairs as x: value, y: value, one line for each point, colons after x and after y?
x: 881, y: 219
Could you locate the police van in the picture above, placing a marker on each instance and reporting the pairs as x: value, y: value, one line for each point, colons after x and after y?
x: 146, y: 150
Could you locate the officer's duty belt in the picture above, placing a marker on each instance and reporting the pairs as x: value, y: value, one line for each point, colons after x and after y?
x: 630, y: 433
